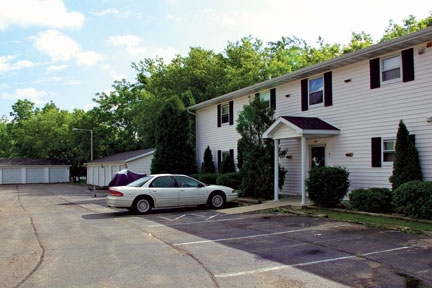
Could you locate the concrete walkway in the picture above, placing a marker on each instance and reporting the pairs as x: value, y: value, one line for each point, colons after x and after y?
x: 293, y: 202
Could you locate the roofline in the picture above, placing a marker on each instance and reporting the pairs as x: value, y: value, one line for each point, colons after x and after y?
x: 140, y: 156
x: 343, y: 60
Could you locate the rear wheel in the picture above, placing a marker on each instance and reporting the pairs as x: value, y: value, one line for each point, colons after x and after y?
x: 217, y: 200
x: 142, y: 205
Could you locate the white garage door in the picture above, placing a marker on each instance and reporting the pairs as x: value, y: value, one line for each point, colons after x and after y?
x: 57, y: 175
x: 35, y: 175
x: 12, y: 176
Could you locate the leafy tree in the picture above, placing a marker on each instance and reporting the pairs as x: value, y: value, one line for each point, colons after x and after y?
x: 406, y: 166
x: 208, y: 165
x: 410, y: 25
x: 227, y: 164
x: 256, y: 157
x: 358, y: 41
x: 174, y: 150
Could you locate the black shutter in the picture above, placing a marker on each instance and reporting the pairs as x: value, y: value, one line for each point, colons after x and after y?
x: 328, y: 89
x: 374, y: 67
x: 231, y: 151
x: 376, y: 151
x: 304, y: 95
x: 219, y: 155
x: 412, y: 138
x: 408, y: 65
x: 231, y: 112
x: 219, y: 111
x: 273, y: 99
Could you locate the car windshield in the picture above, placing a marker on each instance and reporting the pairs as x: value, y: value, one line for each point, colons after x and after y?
x: 139, y: 182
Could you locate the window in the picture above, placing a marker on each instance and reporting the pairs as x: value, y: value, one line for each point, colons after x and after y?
x: 225, y: 113
x: 265, y: 97
x: 316, y: 91
x: 389, y: 150
x: 391, y: 68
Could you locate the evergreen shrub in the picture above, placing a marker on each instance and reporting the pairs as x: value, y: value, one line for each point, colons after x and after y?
x: 327, y: 186
x: 232, y: 180
x: 207, y: 178
x: 414, y: 199
x: 375, y: 200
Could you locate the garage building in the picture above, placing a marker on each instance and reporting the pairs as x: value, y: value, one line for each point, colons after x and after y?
x: 33, y: 170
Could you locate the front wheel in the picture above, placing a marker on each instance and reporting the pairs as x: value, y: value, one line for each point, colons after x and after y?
x: 142, y: 206
x: 217, y: 200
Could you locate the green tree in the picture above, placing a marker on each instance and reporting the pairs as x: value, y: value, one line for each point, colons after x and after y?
x: 358, y: 41
x: 174, y: 150
x: 227, y: 164
x: 208, y: 165
x: 406, y: 166
x: 255, y: 154
x: 410, y: 25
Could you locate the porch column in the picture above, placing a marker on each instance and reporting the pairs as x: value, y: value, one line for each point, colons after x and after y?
x: 303, y: 169
x: 276, y: 169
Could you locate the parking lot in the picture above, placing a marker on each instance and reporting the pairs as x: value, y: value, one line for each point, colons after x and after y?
x: 60, y: 235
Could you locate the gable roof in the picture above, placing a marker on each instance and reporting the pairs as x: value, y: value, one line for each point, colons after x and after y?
x: 346, y: 59
x: 33, y: 162
x: 125, y: 157
x: 290, y: 127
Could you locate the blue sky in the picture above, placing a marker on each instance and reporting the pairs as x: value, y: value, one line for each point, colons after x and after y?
x: 66, y: 51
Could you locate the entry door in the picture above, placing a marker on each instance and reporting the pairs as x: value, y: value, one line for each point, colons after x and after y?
x: 317, y: 156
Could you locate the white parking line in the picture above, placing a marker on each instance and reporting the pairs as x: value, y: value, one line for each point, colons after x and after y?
x: 237, y: 238
x: 193, y: 223
x: 280, y: 267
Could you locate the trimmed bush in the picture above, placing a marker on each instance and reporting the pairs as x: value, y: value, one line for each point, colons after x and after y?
x: 327, y: 186
x: 414, y: 199
x: 208, y: 178
x: 232, y: 180
x: 375, y: 200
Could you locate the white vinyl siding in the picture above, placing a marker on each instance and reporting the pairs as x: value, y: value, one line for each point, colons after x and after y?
x: 360, y: 113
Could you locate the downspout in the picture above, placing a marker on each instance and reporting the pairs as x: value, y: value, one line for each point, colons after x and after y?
x: 303, y: 169
x: 276, y: 170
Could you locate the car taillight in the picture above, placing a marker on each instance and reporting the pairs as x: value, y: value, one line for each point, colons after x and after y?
x: 115, y: 193
x: 233, y: 191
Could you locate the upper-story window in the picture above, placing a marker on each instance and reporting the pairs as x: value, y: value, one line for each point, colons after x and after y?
x: 225, y: 113
x: 265, y: 97
x: 268, y: 97
x: 316, y: 91
x: 391, y: 68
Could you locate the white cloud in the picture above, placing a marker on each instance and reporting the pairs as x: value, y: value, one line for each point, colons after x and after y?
x: 63, y: 48
x: 48, y: 13
x: 106, y: 12
x: 57, y: 67
x: 7, y: 64
x: 31, y: 94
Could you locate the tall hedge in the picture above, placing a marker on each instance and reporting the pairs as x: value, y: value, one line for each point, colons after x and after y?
x: 208, y: 165
x: 406, y: 166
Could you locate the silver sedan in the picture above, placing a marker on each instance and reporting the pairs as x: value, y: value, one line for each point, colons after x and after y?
x: 168, y: 190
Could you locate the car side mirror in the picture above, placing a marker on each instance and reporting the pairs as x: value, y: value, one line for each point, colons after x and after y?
x: 200, y: 185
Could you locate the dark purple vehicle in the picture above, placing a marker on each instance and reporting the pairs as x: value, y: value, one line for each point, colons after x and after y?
x: 124, y: 177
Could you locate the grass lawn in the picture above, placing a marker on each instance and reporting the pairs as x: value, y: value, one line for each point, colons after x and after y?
x: 409, y: 226
x: 374, y: 221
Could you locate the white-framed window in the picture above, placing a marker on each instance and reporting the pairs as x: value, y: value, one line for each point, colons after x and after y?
x: 316, y: 91
x: 388, y: 148
x: 391, y: 69
x: 225, y: 113
x: 265, y: 97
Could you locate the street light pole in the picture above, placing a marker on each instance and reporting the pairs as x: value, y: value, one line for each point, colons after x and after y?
x: 91, y: 150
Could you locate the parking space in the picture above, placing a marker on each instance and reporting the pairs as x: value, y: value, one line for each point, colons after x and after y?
x: 263, y: 244
x: 184, y: 247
